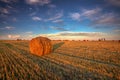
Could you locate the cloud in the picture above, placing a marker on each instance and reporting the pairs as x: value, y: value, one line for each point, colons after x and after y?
x: 114, y: 34
x: 90, y: 12
x: 4, y: 10
x: 14, y: 19
x: 118, y: 31
x: 13, y: 36
x: 23, y: 35
x: 4, y: 22
x: 37, y: 2
x: 29, y: 32
x: 9, y: 1
x: 85, y: 13
x: 55, y: 17
x: 75, y: 35
x: 58, y: 21
x: 97, y: 18
x: 58, y: 28
x: 28, y: 35
x: 33, y: 13
x: 75, y: 16
x: 7, y: 28
x: 52, y: 6
x: 35, y: 18
x: 90, y: 34
x: 108, y: 19
x: 114, y: 2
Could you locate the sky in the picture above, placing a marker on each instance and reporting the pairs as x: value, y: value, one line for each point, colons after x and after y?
x: 60, y: 19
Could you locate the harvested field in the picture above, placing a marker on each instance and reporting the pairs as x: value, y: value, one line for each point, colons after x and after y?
x: 70, y: 60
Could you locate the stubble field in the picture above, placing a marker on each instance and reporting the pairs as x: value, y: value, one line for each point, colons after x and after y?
x: 69, y: 60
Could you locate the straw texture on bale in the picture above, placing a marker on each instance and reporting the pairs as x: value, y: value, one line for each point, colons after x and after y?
x: 40, y: 46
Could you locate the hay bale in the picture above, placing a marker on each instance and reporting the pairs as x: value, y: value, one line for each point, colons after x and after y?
x: 40, y: 46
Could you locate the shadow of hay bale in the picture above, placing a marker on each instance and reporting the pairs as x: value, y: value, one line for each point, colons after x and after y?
x: 55, y: 46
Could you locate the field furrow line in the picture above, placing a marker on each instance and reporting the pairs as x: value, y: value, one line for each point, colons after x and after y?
x: 65, y: 65
x: 27, y: 61
x: 88, y: 65
x: 71, y: 54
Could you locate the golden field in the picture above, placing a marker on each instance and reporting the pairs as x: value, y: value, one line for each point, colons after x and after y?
x: 69, y: 60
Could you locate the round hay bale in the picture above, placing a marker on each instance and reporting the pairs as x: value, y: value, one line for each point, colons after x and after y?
x: 40, y: 46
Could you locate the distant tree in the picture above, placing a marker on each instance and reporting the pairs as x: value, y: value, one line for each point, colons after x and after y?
x: 101, y: 39
x: 119, y: 41
x: 113, y: 40
x: 65, y: 40
x: 19, y: 39
x: 84, y: 40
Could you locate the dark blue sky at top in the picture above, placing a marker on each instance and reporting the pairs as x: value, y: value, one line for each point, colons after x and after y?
x: 34, y: 17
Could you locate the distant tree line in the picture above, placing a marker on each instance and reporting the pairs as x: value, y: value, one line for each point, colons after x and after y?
x: 101, y: 39
x: 19, y: 39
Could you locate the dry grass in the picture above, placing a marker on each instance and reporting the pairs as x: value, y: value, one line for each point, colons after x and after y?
x: 70, y: 60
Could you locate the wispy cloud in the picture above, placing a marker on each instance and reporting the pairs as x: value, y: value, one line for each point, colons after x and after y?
x: 58, y: 21
x: 85, y: 13
x: 8, y: 28
x: 81, y: 34
x: 25, y: 35
x: 33, y: 13
x: 114, y: 2
x: 36, y: 18
x: 90, y: 13
x: 13, y: 36
x: 28, y: 35
x: 9, y: 1
x: 14, y: 19
x: 76, y: 35
x: 108, y: 19
x: 117, y: 31
x: 58, y: 28
x: 75, y: 16
x: 100, y: 18
x: 4, y: 10
x: 52, y: 6
x: 97, y: 17
x: 55, y: 17
x: 37, y: 2
x: 29, y: 32
x: 4, y: 22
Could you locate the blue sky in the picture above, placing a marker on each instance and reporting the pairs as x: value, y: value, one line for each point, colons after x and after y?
x: 60, y: 19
